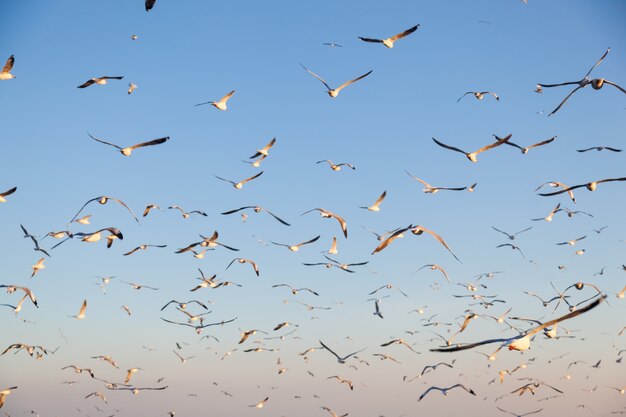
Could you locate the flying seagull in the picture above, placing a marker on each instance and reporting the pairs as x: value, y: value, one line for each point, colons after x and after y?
x: 334, y: 92
x: 239, y: 185
x: 591, y: 186
x: 480, y: 95
x: 221, y: 104
x: 103, y: 199
x: 296, y: 247
x: 599, y: 148
x: 327, y: 215
x: 128, y: 150
x: 99, y: 80
x: 257, y: 209
x: 526, y: 149
x: 376, y: 205
x: 472, y: 156
x: 265, y: 150
x: 6, y: 71
x: 596, y: 84
x: 511, y: 237
x: 390, y: 41
x: 444, y: 391
x: 340, y: 359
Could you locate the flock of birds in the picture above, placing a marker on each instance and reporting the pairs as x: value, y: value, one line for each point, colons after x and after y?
x: 193, y: 313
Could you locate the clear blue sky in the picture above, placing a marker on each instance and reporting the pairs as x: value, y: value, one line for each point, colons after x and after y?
x: 188, y: 52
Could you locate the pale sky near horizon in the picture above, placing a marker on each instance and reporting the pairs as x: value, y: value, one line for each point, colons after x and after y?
x: 194, y: 51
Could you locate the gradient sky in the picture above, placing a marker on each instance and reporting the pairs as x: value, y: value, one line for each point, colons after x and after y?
x: 192, y: 51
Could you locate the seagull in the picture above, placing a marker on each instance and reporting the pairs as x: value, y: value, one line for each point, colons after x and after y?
x: 239, y: 185
x: 437, y: 267
x: 257, y: 209
x: 335, y: 92
x: 520, y: 415
x: 221, y: 104
x: 295, y: 291
x: 513, y: 247
x: 103, y: 199
x: 532, y: 386
x: 336, y: 167
x: 187, y: 214
x: 182, y: 360
x: 596, y: 83
x: 81, y: 313
x: 333, y: 247
x: 549, y: 217
x: 472, y: 156
x: 296, y: 247
x: 199, y: 327
x: 5, y: 74
x: 12, y: 288
x: 128, y: 150
x: 339, y: 358
x: 599, y: 148
x: 139, y: 286
x: 243, y: 261
x: 333, y: 414
x: 401, y: 342
x: 343, y: 381
x: 432, y: 190
x: 377, y: 306
x: 39, y: 265
x: 107, y: 359
x: 525, y: 150
x: 132, y: 87
x: 183, y: 305
x: 332, y: 44
x: 327, y: 215
x: 37, y: 248
x: 591, y: 186
x: 428, y: 368
x: 149, y: 5
x: 98, y: 395
x: 444, y: 391
x: 6, y: 193
x: 99, y: 80
x: 265, y: 150
x: 376, y: 205
x: 511, y: 237
x: 480, y: 95
x: 260, y: 404
x: 555, y: 184
x: 572, y: 242
x: 143, y: 247
x: 522, y: 341
x: 390, y: 41
x: 83, y: 220
x: 4, y: 393
x: 150, y: 207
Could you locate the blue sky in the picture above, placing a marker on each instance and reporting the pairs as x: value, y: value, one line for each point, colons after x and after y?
x: 195, y: 51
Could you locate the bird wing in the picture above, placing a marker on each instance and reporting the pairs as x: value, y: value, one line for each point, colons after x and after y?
x: 151, y: 142
x: 81, y: 209
x: 615, y: 85
x: 427, y: 391
x: 318, y: 77
x: 452, y: 148
x: 371, y: 40
x: 468, y: 92
x: 132, y: 251
x: 598, y: 63
x: 493, y: 145
x: 126, y: 207
x: 8, y: 192
x: 252, y: 177
x: 308, y: 241
x: 588, y: 149
x: 83, y: 308
x: 342, y: 223
x: 236, y: 210
x: 105, y: 142
x: 565, y: 190
x: 403, y: 34
x: 224, y: 179
x: 390, y: 239
x: 276, y: 217
x: 87, y: 83
x: 149, y: 4
x: 440, y: 240
x: 347, y: 83
x: 227, y: 97
x: 9, y: 64
x: 545, y: 142
x: 566, y: 98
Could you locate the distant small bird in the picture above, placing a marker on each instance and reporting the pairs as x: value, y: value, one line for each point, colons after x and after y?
x: 336, y: 167
x: 334, y: 92
x: 480, y: 95
x: 129, y: 150
x: 376, y: 205
x: 390, y: 41
x: 260, y: 404
x: 221, y: 104
x: 131, y: 87
x: 99, y: 80
x: 6, y: 71
x: 81, y: 313
x: 332, y: 44
x: 239, y: 185
x: 444, y: 391
x: 599, y: 148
